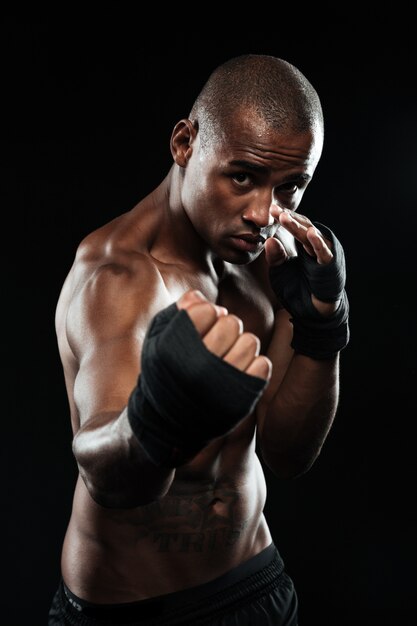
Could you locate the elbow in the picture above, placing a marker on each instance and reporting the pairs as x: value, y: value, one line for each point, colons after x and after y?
x: 114, y: 482
x: 100, y: 482
x: 95, y: 469
x: 111, y: 495
x: 287, y: 465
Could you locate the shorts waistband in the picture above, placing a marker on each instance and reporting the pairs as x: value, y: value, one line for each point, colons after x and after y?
x: 248, y: 579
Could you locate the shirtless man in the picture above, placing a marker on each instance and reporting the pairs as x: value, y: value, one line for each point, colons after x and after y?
x: 202, y: 325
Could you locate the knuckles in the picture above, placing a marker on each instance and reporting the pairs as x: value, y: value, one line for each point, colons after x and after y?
x: 249, y: 342
x: 229, y: 325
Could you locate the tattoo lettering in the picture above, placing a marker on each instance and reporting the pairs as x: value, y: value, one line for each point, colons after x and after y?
x: 189, y: 524
x: 196, y: 542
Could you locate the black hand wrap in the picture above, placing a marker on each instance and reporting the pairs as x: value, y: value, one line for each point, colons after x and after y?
x: 186, y: 396
x: 315, y: 335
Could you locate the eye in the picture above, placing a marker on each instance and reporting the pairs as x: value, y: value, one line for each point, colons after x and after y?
x: 288, y: 195
x: 242, y: 179
x: 290, y: 188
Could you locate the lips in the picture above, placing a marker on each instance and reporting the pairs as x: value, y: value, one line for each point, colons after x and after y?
x: 251, y: 238
x: 247, y: 242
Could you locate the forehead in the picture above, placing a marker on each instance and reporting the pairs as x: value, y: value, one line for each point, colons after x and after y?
x: 249, y: 136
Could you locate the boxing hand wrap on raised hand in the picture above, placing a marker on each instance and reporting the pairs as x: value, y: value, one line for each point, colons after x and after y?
x: 295, y: 280
x: 186, y: 395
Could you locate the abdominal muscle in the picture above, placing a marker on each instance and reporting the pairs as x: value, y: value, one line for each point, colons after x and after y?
x: 210, y: 521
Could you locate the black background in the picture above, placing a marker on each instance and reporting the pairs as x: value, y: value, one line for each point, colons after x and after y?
x: 88, y: 108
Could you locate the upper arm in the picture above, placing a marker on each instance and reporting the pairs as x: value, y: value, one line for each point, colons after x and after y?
x: 106, y: 323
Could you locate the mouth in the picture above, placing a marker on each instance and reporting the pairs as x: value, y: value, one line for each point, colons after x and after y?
x: 247, y: 242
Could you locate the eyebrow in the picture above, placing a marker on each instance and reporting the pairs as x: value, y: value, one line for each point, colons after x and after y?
x: 249, y: 165
x: 262, y: 169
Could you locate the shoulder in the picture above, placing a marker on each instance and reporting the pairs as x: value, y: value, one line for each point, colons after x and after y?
x: 115, y: 256
x: 113, y: 260
x: 113, y: 287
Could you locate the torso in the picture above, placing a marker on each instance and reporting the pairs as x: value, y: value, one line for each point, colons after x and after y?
x: 211, y: 519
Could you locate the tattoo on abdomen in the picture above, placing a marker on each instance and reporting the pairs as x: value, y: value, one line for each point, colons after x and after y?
x: 191, y: 524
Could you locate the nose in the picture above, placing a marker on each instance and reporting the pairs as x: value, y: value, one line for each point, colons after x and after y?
x: 259, y: 212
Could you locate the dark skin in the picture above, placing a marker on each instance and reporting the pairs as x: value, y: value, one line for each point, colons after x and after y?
x: 203, y: 238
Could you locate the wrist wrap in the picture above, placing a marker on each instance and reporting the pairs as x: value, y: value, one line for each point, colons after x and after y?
x: 186, y: 396
x: 315, y: 335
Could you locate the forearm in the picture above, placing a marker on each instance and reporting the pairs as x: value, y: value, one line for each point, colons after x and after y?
x: 297, y: 420
x: 116, y: 470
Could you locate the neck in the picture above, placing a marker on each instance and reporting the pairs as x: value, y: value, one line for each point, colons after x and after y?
x: 177, y: 241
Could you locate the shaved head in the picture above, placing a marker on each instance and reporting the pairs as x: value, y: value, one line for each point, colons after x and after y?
x: 273, y: 89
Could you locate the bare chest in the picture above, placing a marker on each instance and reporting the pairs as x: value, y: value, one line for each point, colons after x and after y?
x: 242, y: 292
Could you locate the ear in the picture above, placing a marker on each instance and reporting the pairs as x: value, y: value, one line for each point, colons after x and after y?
x: 182, y: 138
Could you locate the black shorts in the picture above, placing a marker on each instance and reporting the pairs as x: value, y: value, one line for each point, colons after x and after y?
x: 256, y: 593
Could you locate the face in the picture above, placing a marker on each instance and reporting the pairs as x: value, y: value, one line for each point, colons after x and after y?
x: 229, y: 187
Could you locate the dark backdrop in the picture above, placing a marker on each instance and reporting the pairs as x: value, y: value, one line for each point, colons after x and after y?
x: 88, y: 110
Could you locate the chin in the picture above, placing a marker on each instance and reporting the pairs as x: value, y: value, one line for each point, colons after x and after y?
x: 239, y: 258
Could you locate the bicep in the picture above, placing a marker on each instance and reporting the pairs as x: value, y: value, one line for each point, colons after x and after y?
x: 106, y: 377
x: 106, y: 326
